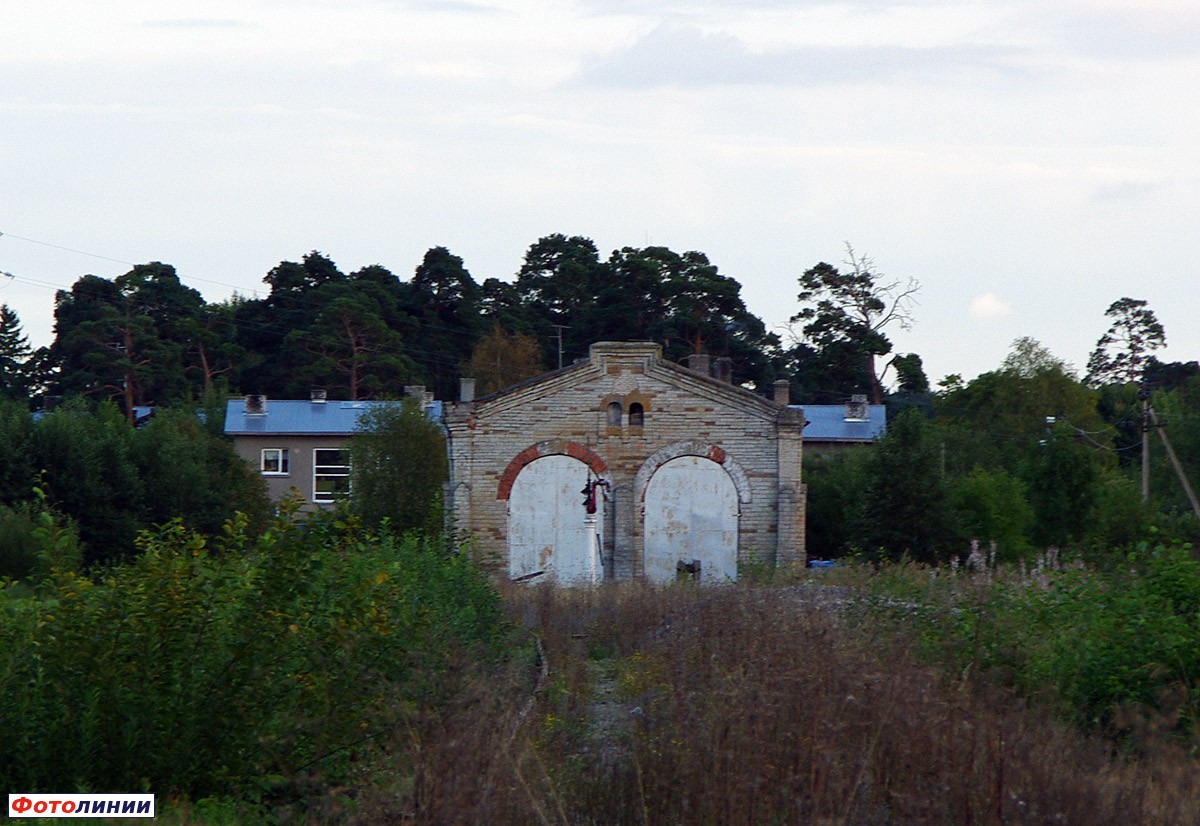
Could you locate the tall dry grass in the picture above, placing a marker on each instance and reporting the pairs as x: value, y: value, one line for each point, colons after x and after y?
x: 747, y: 706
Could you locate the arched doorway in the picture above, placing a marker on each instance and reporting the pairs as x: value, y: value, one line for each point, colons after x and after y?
x: 548, y: 529
x: 691, y: 513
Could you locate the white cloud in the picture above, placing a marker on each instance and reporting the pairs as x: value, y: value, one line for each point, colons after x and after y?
x: 198, y: 23
x: 686, y: 56
x: 964, y: 142
x: 989, y: 305
x: 1123, y: 191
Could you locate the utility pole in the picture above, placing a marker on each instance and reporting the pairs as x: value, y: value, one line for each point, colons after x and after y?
x: 1183, y: 480
x: 560, y: 328
x: 1144, y: 396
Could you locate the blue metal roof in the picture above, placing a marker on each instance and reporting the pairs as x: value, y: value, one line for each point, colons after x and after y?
x: 301, y: 416
x: 828, y: 423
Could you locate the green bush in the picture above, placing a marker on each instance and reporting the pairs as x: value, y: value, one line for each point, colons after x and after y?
x: 18, y: 471
x: 188, y: 473
x: 906, y: 505
x: 34, y: 541
x: 991, y: 507
x: 1095, y: 642
x: 836, y: 482
x: 399, y: 467
x: 202, y: 668
x: 18, y: 545
x: 88, y: 473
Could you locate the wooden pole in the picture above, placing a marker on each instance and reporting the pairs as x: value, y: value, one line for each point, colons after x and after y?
x: 1145, y: 446
x: 1183, y: 480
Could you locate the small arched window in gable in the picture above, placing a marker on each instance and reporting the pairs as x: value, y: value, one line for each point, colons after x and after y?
x: 614, y: 414
x: 637, y: 414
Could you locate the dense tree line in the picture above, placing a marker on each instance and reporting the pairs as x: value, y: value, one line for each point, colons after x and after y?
x: 1017, y: 460
x: 1024, y: 456
x: 145, y: 338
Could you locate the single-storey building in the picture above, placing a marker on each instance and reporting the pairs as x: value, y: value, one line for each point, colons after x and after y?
x: 627, y: 466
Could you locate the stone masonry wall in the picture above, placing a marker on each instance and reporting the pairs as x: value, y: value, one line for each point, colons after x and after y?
x: 756, y: 440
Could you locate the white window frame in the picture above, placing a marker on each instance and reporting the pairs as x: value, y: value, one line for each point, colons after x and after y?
x: 330, y: 471
x: 282, y: 461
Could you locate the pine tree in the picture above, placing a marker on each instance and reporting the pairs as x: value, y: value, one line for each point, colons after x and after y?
x: 1122, y: 352
x: 14, y: 355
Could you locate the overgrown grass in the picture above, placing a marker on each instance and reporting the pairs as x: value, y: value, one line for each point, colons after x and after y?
x: 752, y: 705
x: 379, y: 684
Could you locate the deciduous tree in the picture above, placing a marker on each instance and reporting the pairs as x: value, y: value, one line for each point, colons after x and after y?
x: 991, y: 507
x: 501, y: 359
x: 84, y: 456
x: 906, y: 506
x: 993, y: 420
x: 18, y: 466
x: 399, y: 466
x: 189, y: 474
x: 1028, y: 357
x: 1060, y: 475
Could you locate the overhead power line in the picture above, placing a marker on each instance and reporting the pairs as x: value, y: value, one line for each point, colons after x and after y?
x: 66, y: 249
x: 428, y: 360
x: 300, y: 302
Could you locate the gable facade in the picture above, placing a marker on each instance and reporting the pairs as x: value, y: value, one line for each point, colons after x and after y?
x: 676, y: 467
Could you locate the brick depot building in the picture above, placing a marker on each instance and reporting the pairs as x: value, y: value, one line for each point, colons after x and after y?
x: 680, y: 466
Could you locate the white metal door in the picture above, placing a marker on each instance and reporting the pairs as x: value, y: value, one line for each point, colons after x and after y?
x: 691, y: 513
x: 548, y: 529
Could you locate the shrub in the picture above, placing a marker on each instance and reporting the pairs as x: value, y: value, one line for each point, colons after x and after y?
x: 399, y: 467
x: 198, y: 672
x: 88, y: 473
x: 1093, y: 642
x: 836, y: 485
x: 18, y: 473
x: 34, y: 541
x: 744, y: 705
x: 991, y: 507
x: 906, y: 506
x: 190, y: 474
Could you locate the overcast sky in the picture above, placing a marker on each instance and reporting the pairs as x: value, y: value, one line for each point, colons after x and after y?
x: 1028, y: 161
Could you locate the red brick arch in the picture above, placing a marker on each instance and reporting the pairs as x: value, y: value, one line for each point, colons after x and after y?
x: 692, y: 448
x: 554, y: 447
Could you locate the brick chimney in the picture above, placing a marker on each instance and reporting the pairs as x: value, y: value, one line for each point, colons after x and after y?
x: 783, y: 391
x: 466, y: 390
x: 856, y: 409
x: 700, y: 363
x: 723, y: 369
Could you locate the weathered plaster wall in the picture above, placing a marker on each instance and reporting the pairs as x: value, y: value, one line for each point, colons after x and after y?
x: 300, y: 459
